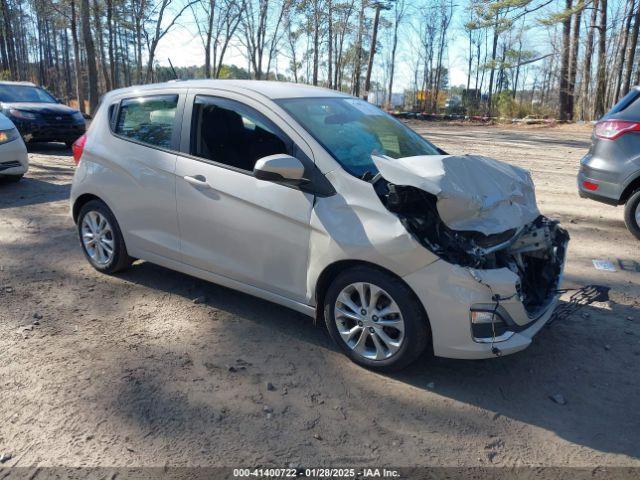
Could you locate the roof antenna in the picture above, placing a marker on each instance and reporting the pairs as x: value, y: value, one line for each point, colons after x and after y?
x: 175, y: 75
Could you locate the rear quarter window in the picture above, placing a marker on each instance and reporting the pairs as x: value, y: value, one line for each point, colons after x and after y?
x: 149, y: 120
x: 628, y: 106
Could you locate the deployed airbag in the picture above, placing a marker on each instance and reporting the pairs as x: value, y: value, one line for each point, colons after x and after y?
x: 473, y: 192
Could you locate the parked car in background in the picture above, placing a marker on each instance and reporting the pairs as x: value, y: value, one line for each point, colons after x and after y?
x: 323, y: 203
x: 14, y: 161
x: 610, y: 171
x: 38, y: 115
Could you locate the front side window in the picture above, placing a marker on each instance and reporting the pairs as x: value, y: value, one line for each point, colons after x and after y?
x: 148, y: 120
x: 25, y: 93
x: 353, y: 130
x: 231, y: 133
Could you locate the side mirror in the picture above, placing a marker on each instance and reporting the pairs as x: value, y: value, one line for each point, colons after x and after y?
x: 281, y: 168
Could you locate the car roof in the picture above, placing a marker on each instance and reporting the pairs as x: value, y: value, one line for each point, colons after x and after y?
x: 269, y: 89
x: 25, y: 84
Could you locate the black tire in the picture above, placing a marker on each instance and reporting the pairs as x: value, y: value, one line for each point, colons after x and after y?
x: 11, y: 178
x: 630, y: 209
x: 416, y: 325
x: 120, y: 259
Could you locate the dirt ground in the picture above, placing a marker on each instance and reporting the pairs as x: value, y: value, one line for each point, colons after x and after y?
x: 129, y: 371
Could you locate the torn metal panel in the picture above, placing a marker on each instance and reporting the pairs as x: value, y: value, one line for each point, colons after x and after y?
x: 474, y: 193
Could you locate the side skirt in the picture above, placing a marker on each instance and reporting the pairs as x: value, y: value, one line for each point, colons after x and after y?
x: 228, y: 282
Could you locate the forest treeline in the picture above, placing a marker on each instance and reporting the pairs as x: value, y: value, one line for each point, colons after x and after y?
x: 571, y: 59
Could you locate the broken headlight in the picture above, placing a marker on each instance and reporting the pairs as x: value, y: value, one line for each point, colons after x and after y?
x: 488, y: 326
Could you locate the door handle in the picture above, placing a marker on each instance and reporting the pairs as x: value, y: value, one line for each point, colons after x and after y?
x: 198, y: 181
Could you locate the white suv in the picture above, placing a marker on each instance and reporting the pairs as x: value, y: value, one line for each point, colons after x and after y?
x: 325, y: 204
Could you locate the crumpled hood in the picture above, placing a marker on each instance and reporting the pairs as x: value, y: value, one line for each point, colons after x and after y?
x: 473, y: 192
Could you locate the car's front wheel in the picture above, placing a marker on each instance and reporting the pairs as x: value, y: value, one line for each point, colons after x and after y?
x: 375, y: 319
x: 632, y: 214
x: 101, y: 238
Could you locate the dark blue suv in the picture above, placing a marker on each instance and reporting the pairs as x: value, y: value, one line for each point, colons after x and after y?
x: 38, y: 115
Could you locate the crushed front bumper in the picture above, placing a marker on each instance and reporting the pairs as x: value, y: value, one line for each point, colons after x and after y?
x: 50, y: 131
x: 452, y: 294
x: 448, y: 293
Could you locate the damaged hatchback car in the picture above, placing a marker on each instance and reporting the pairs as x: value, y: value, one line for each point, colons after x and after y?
x: 325, y: 204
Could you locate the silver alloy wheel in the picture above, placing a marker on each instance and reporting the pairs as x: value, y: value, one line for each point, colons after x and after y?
x: 97, y: 238
x: 369, y: 321
x: 637, y: 215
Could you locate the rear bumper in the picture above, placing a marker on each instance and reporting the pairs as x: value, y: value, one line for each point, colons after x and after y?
x: 609, y: 183
x: 13, y: 158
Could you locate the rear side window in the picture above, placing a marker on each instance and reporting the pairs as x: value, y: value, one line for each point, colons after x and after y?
x: 148, y: 120
x: 629, y: 105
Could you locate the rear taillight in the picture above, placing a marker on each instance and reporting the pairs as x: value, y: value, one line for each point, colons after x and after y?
x: 612, y: 129
x: 590, y: 185
x: 78, y: 147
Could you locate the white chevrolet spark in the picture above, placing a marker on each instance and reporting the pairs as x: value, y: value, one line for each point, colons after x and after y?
x: 325, y: 204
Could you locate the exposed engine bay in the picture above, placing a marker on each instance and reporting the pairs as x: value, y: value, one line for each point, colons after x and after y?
x: 535, y: 251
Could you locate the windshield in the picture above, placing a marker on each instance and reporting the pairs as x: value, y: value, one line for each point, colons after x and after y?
x: 24, y: 93
x: 352, y: 130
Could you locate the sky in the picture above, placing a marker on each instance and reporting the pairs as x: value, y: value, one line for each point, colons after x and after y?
x: 184, y: 47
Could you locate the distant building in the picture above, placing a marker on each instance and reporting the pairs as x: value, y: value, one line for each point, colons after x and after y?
x: 379, y: 98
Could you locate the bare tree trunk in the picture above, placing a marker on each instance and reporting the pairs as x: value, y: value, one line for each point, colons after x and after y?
x: 99, y: 33
x: 207, y: 45
x: 92, y: 69
x: 112, y: 60
x: 76, y: 57
x: 399, y: 14
x: 494, y: 52
x: 10, y: 41
x: 67, y: 66
x: 564, y: 63
x: 444, y: 26
x: 138, y: 13
x: 601, y: 84
x: 372, y: 49
x: 518, y: 66
x: 230, y: 28
x: 623, y: 51
x: 573, y: 60
x: 631, y: 52
x: 355, y: 83
x: 330, y: 44
x: 316, y: 41
x: 588, y: 55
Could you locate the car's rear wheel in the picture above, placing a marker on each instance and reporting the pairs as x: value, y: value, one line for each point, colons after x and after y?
x: 101, y: 238
x: 632, y: 214
x: 11, y: 178
x: 375, y: 319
